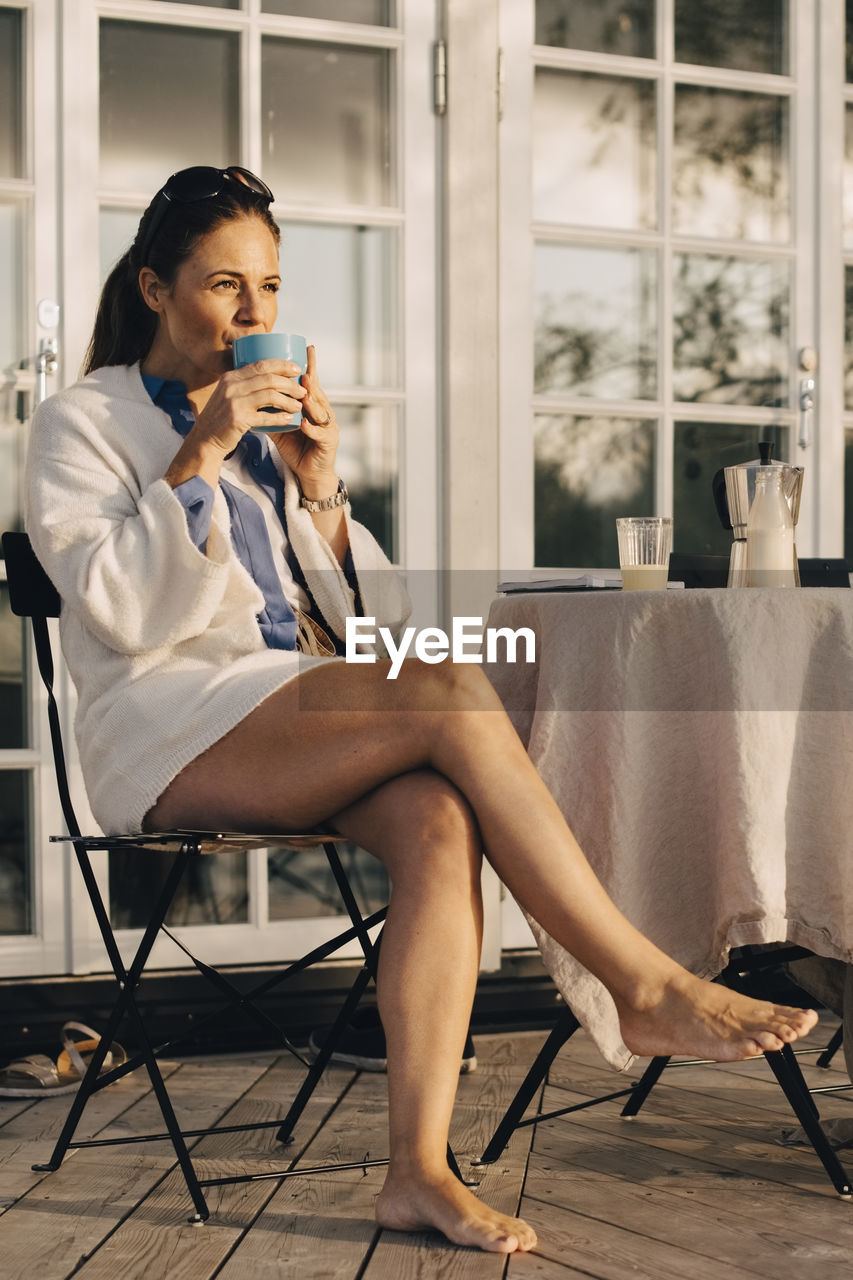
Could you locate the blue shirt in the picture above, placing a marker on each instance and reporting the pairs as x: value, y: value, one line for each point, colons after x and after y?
x: 249, y: 536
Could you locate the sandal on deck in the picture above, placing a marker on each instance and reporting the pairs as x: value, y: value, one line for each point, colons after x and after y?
x: 36, y: 1076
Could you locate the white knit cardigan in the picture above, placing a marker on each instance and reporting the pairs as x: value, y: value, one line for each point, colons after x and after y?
x: 161, y: 640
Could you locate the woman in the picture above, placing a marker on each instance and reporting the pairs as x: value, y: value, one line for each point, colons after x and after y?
x: 196, y: 709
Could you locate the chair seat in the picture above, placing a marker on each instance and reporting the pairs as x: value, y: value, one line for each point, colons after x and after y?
x: 203, y: 842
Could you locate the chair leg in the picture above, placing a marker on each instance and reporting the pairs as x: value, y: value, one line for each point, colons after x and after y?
x: 353, y: 910
x: 567, y: 1025
x: 318, y: 1066
x: 128, y: 981
x: 643, y: 1087
x: 832, y: 1048
x: 787, y: 1071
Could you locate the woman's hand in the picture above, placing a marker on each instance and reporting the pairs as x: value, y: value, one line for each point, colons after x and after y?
x: 310, y: 452
x: 240, y: 397
x: 234, y: 407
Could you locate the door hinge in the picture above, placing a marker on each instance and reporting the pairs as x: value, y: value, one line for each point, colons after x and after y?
x: 439, y: 77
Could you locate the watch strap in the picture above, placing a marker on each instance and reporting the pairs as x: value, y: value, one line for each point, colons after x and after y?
x: 339, y: 499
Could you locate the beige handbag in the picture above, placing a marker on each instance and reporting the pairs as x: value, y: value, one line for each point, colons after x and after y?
x: 312, y: 638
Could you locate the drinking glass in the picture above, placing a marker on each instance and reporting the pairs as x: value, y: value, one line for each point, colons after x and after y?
x: 645, y: 543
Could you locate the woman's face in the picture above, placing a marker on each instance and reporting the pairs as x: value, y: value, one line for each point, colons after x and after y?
x: 226, y: 288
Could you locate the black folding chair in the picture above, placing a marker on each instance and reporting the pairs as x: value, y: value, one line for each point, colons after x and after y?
x: 782, y: 1062
x: 32, y: 595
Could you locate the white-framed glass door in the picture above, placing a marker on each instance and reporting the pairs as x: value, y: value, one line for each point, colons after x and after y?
x: 332, y: 102
x: 671, y: 270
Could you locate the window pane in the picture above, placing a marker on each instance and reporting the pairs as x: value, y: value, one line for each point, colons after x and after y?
x: 155, y: 117
x: 730, y: 165
x: 589, y: 471
x: 848, y: 337
x: 214, y: 890
x: 730, y: 330
x: 301, y: 884
x: 212, y: 4
x: 15, y: 876
x: 13, y: 721
x: 339, y: 151
x: 595, y: 321
x: 117, y: 230
x: 368, y: 459
x: 594, y: 160
x: 729, y: 33
x: 378, y: 13
x: 847, y: 177
x: 848, y: 497
x: 340, y: 290
x: 609, y: 26
x: 11, y: 94
x: 701, y: 449
x: 11, y: 289
x: 849, y: 41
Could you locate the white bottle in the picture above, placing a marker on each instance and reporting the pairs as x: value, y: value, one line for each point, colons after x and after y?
x: 770, y: 533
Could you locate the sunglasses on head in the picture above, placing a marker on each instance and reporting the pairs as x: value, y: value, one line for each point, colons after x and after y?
x: 201, y: 182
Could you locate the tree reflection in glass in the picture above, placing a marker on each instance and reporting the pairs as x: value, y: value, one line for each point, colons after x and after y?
x: 848, y: 337
x: 729, y: 33
x: 15, y: 871
x: 594, y: 157
x: 730, y: 165
x: 589, y: 470
x: 847, y: 178
x: 730, y: 330
x: 608, y: 26
x: 700, y: 450
x: 595, y: 321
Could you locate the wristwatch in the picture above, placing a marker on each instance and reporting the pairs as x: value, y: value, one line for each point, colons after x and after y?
x: 339, y: 499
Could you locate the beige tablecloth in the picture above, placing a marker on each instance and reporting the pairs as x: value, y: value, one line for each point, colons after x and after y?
x: 700, y: 744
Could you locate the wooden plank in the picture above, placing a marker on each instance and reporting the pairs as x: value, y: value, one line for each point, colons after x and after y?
x: 609, y: 1251
x: 322, y: 1224
x: 714, y: 1224
x: 682, y: 1123
x: 156, y: 1238
x: 95, y: 1189
x: 28, y: 1137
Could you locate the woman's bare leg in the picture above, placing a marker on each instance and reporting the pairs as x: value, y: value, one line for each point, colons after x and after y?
x: 336, y: 732
x: 325, y: 745
x: 425, y: 834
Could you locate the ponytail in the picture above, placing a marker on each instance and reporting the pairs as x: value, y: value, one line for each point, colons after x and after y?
x: 124, y: 326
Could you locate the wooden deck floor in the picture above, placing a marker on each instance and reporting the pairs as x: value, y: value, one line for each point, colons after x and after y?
x: 696, y: 1187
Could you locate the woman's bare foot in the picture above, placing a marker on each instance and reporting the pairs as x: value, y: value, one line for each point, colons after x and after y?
x: 411, y: 1202
x: 688, y: 1015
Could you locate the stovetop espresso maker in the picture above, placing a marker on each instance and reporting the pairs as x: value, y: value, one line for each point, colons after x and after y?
x: 734, y: 493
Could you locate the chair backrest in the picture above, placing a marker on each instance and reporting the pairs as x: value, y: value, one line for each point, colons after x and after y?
x: 32, y: 595
x: 699, y: 571
x: 824, y: 573
x: 31, y: 592
x: 713, y: 571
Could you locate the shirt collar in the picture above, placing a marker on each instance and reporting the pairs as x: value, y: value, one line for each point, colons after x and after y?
x: 170, y: 396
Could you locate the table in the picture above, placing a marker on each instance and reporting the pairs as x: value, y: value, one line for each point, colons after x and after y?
x: 700, y: 744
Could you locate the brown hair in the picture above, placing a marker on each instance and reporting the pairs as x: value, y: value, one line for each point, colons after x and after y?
x: 124, y: 326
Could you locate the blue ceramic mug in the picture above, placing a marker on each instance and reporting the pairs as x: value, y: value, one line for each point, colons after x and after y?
x: 272, y: 346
